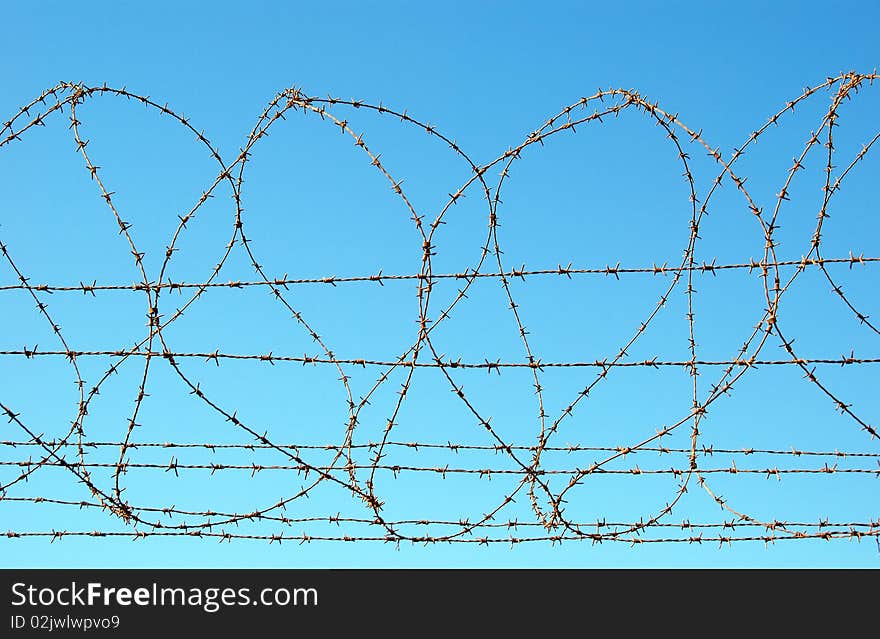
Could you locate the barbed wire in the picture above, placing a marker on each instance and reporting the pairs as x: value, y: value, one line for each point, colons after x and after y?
x: 170, y: 511
x: 525, y: 465
x: 380, y: 278
x: 270, y: 358
x: 454, y: 447
x: 176, y: 466
x: 595, y: 538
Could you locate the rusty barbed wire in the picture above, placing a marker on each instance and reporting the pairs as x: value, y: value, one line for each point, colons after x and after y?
x: 595, y: 538
x: 525, y: 464
x: 170, y: 511
x: 571, y: 448
x: 270, y: 358
x: 380, y: 278
x: 174, y: 465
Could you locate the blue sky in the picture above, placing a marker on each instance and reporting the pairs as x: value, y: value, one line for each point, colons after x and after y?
x: 485, y: 76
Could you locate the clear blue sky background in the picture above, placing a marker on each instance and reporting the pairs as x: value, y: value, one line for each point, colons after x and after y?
x: 486, y: 75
